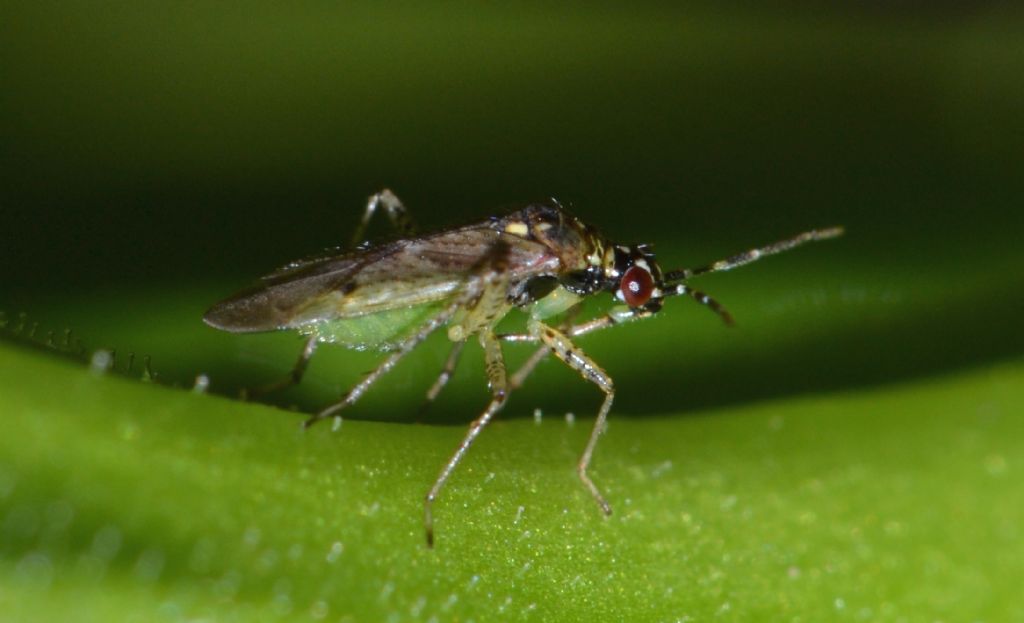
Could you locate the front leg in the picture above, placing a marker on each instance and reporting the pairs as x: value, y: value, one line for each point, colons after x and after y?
x: 293, y: 377
x: 564, y: 349
x: 616, y: 316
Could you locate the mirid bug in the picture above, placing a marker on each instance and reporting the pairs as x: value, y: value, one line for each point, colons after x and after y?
x: 392, y: 296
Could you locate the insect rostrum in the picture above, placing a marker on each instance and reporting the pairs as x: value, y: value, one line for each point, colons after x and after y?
x: 539, y: 259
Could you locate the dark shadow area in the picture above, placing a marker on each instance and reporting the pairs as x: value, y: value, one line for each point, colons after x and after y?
x: 141, y: 151
x: 898, y: 350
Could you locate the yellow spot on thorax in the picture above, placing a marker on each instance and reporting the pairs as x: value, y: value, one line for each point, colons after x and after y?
x: 517, y: 228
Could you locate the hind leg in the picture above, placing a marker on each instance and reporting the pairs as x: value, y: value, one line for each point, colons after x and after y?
x: 293, y: 377
x: 397, y: 214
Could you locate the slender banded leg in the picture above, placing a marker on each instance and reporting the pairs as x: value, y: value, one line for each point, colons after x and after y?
x: 293, y: 378
x: 524, y: 371
x: 496, y: 377
x: 564, y: 349
x: 403, y: 349
x: 480, y: 287
x: 487, y: 310
x: 618, y: 316
x: 395, y: 210
x: 528, y: 366
x: 446, y: 374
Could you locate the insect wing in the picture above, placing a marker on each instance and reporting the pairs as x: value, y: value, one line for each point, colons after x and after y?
x: 400, y: 274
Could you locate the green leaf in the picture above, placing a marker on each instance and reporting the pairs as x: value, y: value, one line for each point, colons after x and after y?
x: 852, y: 450
x: 122, y: 499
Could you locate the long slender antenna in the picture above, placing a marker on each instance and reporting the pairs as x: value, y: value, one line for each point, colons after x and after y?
x: 704, y: 300
x: 753, y: 255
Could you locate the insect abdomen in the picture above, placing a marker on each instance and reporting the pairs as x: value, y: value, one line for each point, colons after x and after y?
x: 379, y: 331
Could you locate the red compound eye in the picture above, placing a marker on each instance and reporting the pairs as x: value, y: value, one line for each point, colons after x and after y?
x: 636, y: 286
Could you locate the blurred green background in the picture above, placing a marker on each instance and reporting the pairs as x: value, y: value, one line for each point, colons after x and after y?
x: 158, y: 156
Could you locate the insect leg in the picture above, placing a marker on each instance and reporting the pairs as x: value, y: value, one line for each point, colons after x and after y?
x: 293, y: 378
x: 564, y: 349
x: 403, y: 349
x: 489, y: 272
x: 602, y: 322
x: 528, y: 366
x: 446, y: 372
x: 396, y: 212
x: 485, y: 311
x: 524, y: 371
x: 516, y: 380
x: 496, y: 377
x: 608, y: 320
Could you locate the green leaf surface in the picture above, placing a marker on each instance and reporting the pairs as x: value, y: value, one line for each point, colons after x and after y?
x: 125, y: 500
x: 850, y: 451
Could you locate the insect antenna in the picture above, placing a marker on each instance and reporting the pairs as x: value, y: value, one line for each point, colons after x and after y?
x: 703, y: 299
x: 674, y: 279
x: 676, y: 276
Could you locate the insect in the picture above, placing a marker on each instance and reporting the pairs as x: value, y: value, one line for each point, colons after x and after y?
x: 539, y: 259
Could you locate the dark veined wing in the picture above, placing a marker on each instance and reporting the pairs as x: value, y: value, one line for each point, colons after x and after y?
x: 395, y: 275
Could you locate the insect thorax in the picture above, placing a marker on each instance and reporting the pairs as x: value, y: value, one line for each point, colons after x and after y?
x: 580, y: 249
